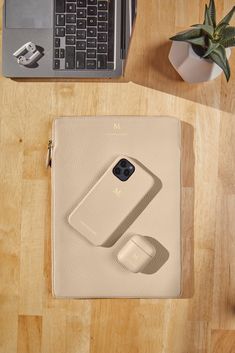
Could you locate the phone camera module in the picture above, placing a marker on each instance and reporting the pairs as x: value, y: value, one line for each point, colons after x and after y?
x: 117, y: 171
x: 123, y: 169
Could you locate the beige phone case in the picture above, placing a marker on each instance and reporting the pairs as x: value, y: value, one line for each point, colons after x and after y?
x: 112, y: 205
x: 84, y: 150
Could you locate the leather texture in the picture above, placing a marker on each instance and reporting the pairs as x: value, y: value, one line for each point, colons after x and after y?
x: 84, y: 149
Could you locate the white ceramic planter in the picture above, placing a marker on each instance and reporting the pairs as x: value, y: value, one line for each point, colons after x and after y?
x: 191, y: 67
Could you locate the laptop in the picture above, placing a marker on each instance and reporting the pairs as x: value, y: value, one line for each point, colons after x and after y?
x: 66, y: 38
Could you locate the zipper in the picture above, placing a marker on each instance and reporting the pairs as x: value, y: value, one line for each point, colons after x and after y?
x: 49, y: 154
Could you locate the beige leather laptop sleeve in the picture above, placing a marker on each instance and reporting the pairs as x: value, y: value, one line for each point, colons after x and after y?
x: 83, y: 149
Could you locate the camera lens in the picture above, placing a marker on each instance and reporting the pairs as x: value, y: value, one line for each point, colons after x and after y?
x: 117, y: 171
x: 124, y: 169
x: 123, y: 163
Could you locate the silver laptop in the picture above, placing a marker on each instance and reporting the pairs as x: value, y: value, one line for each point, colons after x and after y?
x: 66, y: 38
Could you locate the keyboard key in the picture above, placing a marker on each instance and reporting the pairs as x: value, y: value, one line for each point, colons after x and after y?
x: 60, y: 6
x: 102, y: 48
x: 70, y: 29
x: 71, y: 18
x: 91, y: 64
x: 59, y: 31
x: 70, y: 58
x: 80, y: 45
x: 81, y: 3
x: 102, y: 27
x: 102, y: 16
x: 92, y: 11
x: 81, y: 13
x: 91, y: 42
x: 57, y: 42
x: 102, y: 61
x: 102, y: 37
x: 56, y: 64
x: 62, y: 53
x: 81, y: 24
x: 81, y: 34
x: 71, y: 8
x: 88, y: 28
x: 60, y: 20
x: 70, y: 40
x: 91, y: 53
x: 91, y: 21
x: 80, y: 60
x: 103, y: 5
x: 91, y: 32
x: 57, y: 53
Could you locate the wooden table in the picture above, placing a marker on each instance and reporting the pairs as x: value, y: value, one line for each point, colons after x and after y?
x: 31, y: 320
x: 148, y: 63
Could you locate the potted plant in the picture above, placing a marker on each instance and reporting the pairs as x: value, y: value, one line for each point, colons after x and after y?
x: 202, y: 52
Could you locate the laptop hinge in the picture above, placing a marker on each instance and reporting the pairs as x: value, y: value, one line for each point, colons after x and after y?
x: 123, y: 29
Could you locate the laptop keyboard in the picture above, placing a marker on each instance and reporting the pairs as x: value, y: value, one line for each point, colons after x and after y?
x: 84, y: 35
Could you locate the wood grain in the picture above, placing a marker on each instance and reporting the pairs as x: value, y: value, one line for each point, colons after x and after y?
x: 31, y: 319
x: 29, y: 334
x: 223, y: 341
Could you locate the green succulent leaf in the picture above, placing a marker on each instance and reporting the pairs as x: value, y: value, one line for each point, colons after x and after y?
x: 197, y: 41
x: 220, y: 58
x: 228, y: 33
x: 207, y: 29
x: 228, y: 43
x: 207, y: 17
x: 212, y: 12
x: 211, y: 47
x: 193, y: 36
x: 184, y: 36
x: 220, y: 28
x: 227, y: 18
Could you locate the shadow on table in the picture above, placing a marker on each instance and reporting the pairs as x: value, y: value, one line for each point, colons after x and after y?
x: 153, y: 69
x: 159, y: 63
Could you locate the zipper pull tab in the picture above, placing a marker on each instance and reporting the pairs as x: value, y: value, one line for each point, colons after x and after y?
x: 49, y: 154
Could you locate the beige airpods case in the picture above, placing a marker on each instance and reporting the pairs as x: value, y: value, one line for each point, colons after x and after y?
x: 136, y: 254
